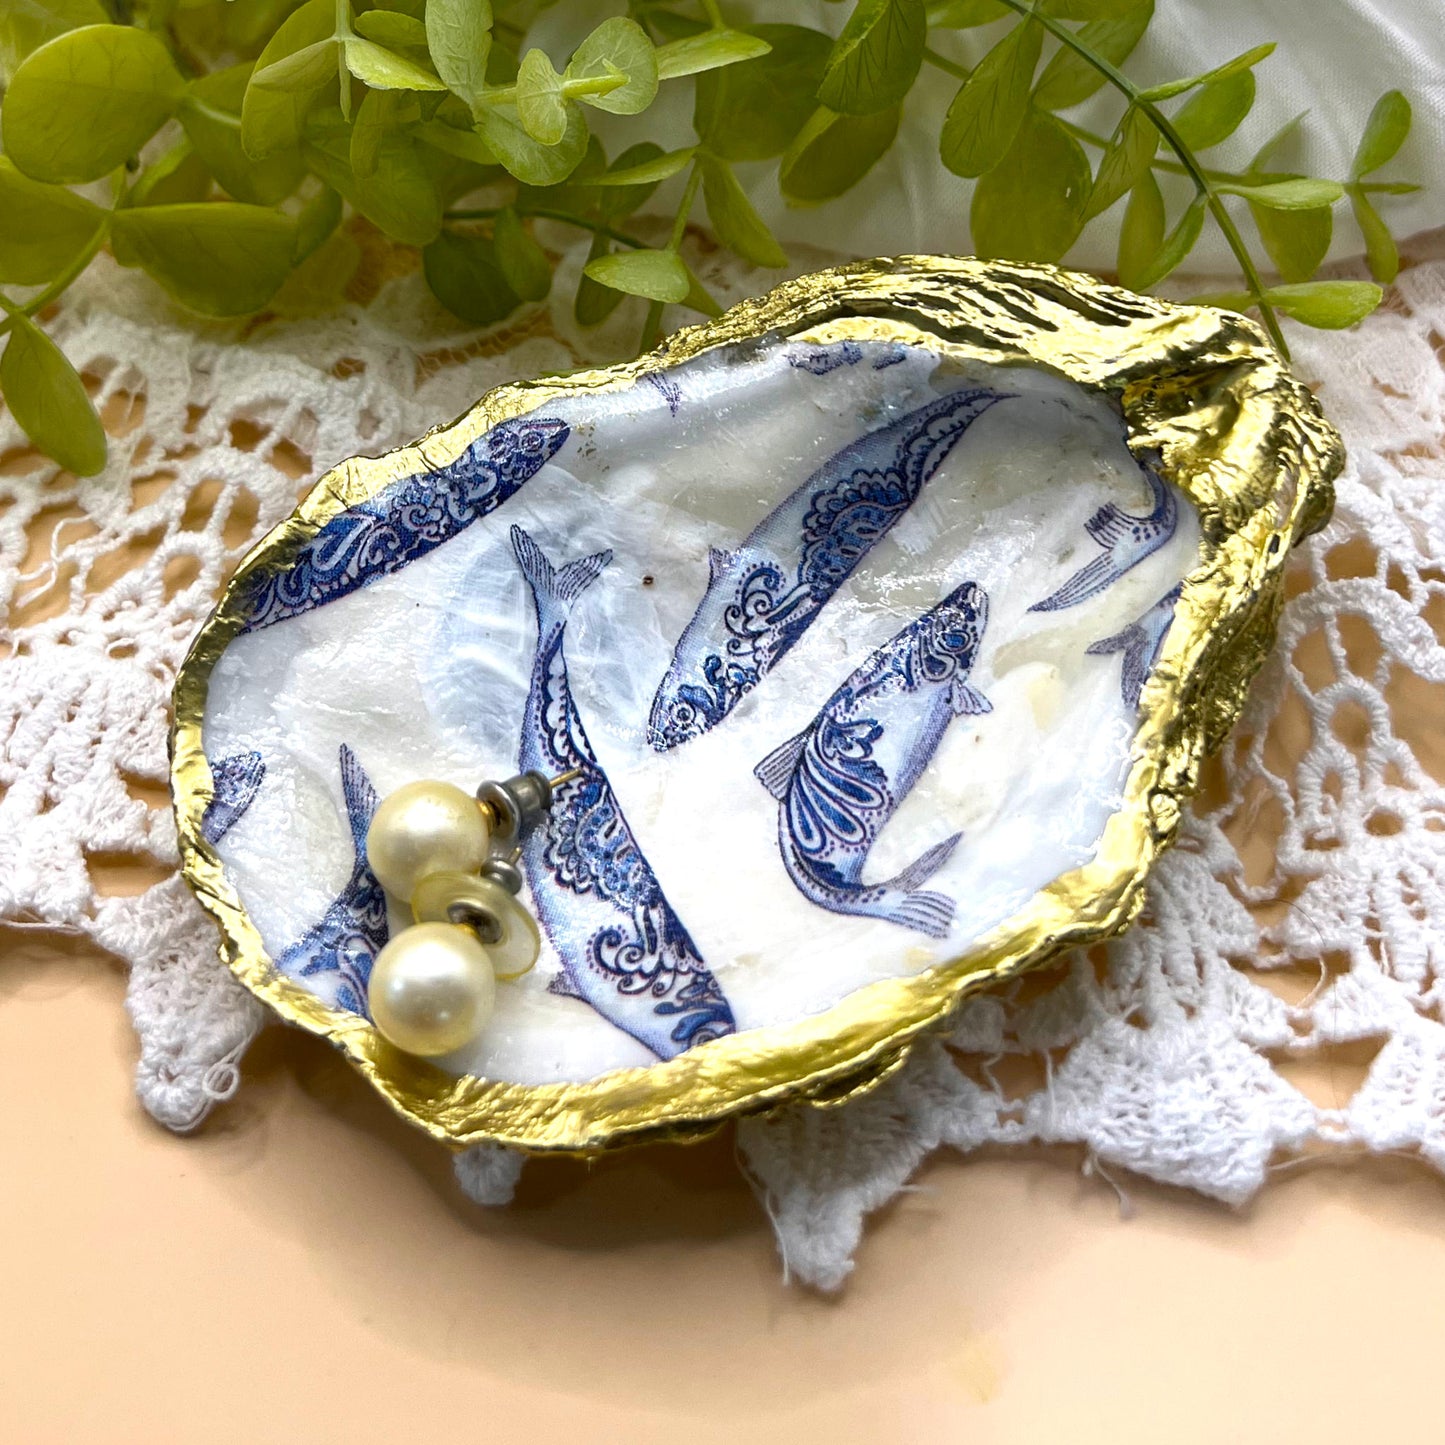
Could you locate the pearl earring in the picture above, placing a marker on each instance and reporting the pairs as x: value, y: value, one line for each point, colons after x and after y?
x: 452, y: 857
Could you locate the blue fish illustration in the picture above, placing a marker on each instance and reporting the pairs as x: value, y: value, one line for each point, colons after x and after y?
x: 1127, y: 540
x: 820, y: 360
x: 842, y: 778
x: 339, y: 951
x: 404, y: 521
x: 623, y: 950
x: 1141, y: 642
x: 762, y: 596
x: 235, y: 781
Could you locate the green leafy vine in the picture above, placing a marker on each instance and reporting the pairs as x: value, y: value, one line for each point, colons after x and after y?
x: 219, y: 146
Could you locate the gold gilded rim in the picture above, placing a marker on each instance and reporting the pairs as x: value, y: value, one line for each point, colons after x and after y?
x: 1201, y: 390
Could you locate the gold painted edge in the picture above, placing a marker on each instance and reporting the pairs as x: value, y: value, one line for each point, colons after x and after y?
x: 1201, y: 389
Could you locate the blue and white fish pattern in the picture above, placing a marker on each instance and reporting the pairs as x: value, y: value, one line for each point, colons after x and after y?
x: 405, y: 521
x: 235, y: 781
x: 820, y: 360
x: 1127, y: 540
x: 842, y: 778
x: 1141, y: 642
x: 763, y: 596
x: 337, y: 954
x: 623, y: 949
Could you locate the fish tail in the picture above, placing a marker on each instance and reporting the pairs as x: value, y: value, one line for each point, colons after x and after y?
x: 360, y: 798
x: 1083, y: 584
x: 555, y: 591
x: 930, y: 913
x: 924, y: 866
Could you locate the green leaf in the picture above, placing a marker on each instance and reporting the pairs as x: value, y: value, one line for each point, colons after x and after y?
x: 1380, y: 249
x: 707, y: 50
x: 594, y: 303
x: 1128, y: 157
x: 966, y: 14
x: 459, y: 36
x: 752, y: 110
x: 177, y: 176
x: 1276, y: 141
x: 391, y: 28
x: 465, y: 276
x: 734, y: 221
x: 833, y: 152
x: 223, y: 259
x: 384, y: 69
x: 292, y: 73
x: 648, y: 172
x: 374, y: 117
x: 27, y: 24
x: 991, y: 104
x: 1302, y: 194
x: 875, y: 59
x: 1087, y: 9
x: 657, y: 275
x: 1031, y: 206
x: 1177, y: 245
x: 1069, y: 79
x: 400, y: 195
x: 699, y: 298
x: 591, y: 191
x: 1141, y: 237
x: 48, y: 399
x: 1385, y: 133
x: 524, y: 263
x: 465, y: 145
x: 1214, y: 112
x: 529, y: 159
x: 315, y: 222
x: 1331, y: 305
x: 1297, y: 241
x: 540, y: 106
x: 45, y: 227
x: 85, y: 102
x: 1246, y: 61
x: 210, y: 112
x: 618, y: 46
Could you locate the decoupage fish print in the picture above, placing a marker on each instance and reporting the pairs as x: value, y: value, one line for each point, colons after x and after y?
x: 623, y: 949
x: 404, y: 521
x: 235, y: 781
x: 762, y: 596
x: 1141, y: 642
x: 843, y: 777
x: 338, y: 952
x: 1127, y: 540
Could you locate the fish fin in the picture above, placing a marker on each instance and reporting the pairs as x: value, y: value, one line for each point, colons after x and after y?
x: 562, y: 986
x: 1110, y: 524
x: 1118, y: 642
x: 775, y: 772
x: 967, y: 700
x: 360, y: 797
x: 719, y: 559
x: 549, y: 585
x: 924, y: 866
x: 930, y: 913
x: 1083, y: 584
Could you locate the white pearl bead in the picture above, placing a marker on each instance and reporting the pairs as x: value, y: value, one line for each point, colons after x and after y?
x: 425, y: 827
x: 432, y: 989
x: 485, y: 905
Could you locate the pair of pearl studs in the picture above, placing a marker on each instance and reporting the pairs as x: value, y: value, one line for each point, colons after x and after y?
x: 452, y: 858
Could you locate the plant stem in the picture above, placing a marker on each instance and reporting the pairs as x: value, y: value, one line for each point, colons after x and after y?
x: 42, y: 299
x: 943, y: 63
x: 1201, y: 178
x: 652, y: 327
x: 568, y: 218
x: 714, y: 14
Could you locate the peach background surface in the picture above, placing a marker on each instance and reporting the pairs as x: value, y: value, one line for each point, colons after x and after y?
x: 304, y: 1270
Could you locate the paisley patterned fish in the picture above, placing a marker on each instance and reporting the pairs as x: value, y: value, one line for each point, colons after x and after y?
x: 339, y: 951
x: 1141, y: 642
x: 762, y: 596
x: 235, y: 781
x: 842, y: 778
x: 623, y: 950
x: 1126, y: 539
x: 405, y: 521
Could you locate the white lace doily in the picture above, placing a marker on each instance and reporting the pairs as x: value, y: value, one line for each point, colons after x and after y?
x: 1317, y: 855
